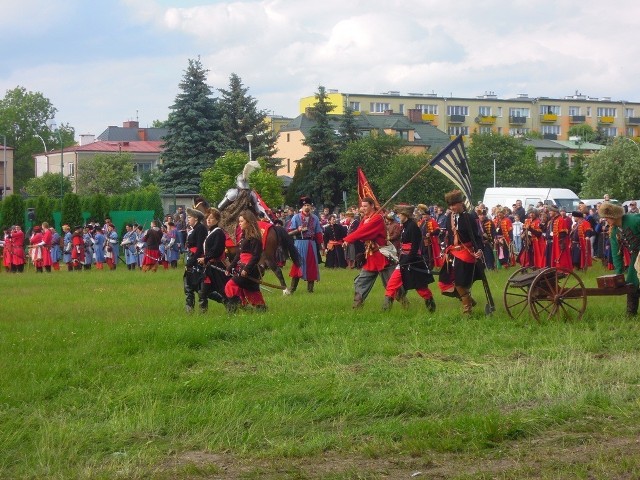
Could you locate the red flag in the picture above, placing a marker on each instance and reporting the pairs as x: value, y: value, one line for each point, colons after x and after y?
x: 364, y: 189
x: 264, y: 205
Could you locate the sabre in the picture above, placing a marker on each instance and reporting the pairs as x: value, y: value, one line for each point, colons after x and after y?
x: 259, y: 282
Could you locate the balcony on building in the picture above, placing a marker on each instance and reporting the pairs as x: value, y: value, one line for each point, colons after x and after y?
x: 549, y: 118
x: 633, y: 120
x: 486, y: 119
x: 517, y: 120
x: 550, y: 136
x: 606, y: 120
x: 428, y: 117
x: 457, y: 118
x: 577, y: 119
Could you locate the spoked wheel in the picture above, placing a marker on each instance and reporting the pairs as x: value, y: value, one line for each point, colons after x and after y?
x: 557, y: 293
x: 516, y: 292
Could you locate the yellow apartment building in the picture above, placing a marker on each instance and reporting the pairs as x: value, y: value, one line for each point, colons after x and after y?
x: 551, y: 117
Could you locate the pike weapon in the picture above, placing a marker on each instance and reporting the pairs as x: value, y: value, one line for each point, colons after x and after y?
x: 255, y: 280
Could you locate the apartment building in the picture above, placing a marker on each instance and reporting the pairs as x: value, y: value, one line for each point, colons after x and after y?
x: 551, y: 117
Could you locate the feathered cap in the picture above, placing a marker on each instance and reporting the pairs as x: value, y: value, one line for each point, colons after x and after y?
x: 453, y: 197
x: 610, y: 210
x: 192, y: 212
x: 422, y: 208
x: 406, y: 210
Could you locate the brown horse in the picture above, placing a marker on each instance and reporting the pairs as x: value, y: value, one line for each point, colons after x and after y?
x: 278, y: 243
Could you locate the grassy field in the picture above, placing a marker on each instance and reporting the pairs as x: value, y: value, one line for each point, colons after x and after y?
x: 105, y: 377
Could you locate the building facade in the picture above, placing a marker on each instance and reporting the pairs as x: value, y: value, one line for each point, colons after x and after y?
x: 551, y: 117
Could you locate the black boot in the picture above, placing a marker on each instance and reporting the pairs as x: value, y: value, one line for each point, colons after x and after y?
x: 387, y: 304
x: 430, y: 303
x: 294, y: 284
x: 310, y: 286
x: 232, y: 304
x: 632, y: 303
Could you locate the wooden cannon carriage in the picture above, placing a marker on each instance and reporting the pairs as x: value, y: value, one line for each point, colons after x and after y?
x: 553, y: 292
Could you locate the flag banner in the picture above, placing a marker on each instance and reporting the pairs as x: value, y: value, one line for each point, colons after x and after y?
x: 364, y: 189
x: 452, y: 163
x: 264, y: 205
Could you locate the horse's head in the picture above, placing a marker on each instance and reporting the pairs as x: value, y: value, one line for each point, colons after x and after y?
x: 200, y: 203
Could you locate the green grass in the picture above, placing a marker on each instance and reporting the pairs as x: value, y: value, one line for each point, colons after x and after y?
x: 105, y: 376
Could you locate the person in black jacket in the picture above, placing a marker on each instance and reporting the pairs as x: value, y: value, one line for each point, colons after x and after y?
x: 193, y: 275
x: 412, y: 272
x: 244, y: 286
x: 464, y: 248
x: 215, y: 278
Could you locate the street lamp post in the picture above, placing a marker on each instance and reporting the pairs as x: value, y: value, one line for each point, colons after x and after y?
x: 249, y: 139
x: 45, y: 152
x: 4, y: 167
x: 57, y: 130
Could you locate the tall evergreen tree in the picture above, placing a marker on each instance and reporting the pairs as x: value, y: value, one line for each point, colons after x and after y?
x: 239, y: 116
x: 348, y: 128
x: 71, y: 210
x: 323, y: 178
x: 194, y: 139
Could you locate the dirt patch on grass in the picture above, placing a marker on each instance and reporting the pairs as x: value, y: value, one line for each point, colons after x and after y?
x: 555, y: 456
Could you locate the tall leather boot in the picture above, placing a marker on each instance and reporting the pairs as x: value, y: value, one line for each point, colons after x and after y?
x: 632, y: 303
x: 387, y: 304
x: 294, y: 284
x: 465, y: 298
x: 310, y: 286
x: 232, y: 304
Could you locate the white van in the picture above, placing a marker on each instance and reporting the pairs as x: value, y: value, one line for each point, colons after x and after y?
x: 507, y: 196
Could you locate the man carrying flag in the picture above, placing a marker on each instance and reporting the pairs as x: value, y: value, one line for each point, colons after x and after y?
x: 373, y: 233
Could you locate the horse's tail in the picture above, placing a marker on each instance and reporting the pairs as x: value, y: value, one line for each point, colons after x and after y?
x: 288, y: 246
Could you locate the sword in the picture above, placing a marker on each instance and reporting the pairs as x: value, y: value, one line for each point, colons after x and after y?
x: 255, y: 280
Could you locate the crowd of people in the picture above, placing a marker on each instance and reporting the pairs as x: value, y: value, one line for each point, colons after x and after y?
x: 94, y: 245
x: 403, y: 246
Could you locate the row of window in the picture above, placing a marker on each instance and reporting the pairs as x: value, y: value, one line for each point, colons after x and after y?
x: 545, y: 130
x: 487, y: 111
x: 139, y: 168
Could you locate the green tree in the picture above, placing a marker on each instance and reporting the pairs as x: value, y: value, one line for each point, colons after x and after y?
x: 323, y: 179
x: 194, y: 139
x: 374, y: 154
x: 239, y: 117
x: 159, y: 124
x: 222, y: 176
x: 516, y: 164
x: 99, y: 207
x: 71, y: 211
x: 44, y: 210
x: 22, y: 115
x: 614, y: 170
x: 153, y: 201
x: 348, y: 128
x: 13, y: 208
x: 107, y: 174
x: 48, y: 184
x: 429, y: 187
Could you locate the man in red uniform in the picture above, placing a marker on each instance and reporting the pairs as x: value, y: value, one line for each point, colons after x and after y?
x: 17, y: 252
x: 373, y: 233
x: 47, y: 243
x: 558, y: 252
x: 35, y: 248
x: 431, y: 240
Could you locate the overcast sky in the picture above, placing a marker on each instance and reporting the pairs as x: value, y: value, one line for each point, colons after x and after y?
x: 102, y: 62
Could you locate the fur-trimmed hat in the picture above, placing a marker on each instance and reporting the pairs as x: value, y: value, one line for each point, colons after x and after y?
x: 406, y: 210
x: 422, y: 208
x: 305, y: 199
x: 610, y: 210
x: 453, y: 197
x: 192, y: 212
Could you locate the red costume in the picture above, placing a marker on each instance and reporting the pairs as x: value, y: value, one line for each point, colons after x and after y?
x: 373, y: 232
x: 47, y: 240
x: 581, y: 245
x: 17, y: 250
x: 533, y: 247
x: 504, y: 229
x: 431, y: 240
x: 7, y: 251
x: 35, y: 249
x: 77, y: 250
x: 560, y: 256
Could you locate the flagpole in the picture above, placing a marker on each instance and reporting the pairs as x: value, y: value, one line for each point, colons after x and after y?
x: 403, y: 186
